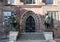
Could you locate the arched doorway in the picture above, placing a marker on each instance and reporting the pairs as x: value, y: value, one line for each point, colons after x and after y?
x: 35, y: 19
x: 30, y: 24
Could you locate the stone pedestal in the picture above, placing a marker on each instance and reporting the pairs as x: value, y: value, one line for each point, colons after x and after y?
x: 48, y: 35
x: 13, y: 35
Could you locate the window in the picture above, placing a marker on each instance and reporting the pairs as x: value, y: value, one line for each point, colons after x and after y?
x: 30, y: 1
x: 54, y: 15
x: 49, y: 1
x: 7, y: 13
x: 7, y: 19
x: 11, y: 1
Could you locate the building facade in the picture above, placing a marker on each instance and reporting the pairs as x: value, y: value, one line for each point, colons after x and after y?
x: 31, y: 14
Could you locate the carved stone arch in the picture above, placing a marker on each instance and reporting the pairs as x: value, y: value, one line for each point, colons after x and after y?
x: 25, y: 16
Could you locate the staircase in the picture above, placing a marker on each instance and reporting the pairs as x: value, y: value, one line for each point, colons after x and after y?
x: 31, y: 36
x: 32, y: 41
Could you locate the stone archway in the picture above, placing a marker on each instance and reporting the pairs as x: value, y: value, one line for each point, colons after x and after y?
x: 25, y: 16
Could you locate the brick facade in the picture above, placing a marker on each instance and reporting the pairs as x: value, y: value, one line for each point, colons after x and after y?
x: 40, y: 10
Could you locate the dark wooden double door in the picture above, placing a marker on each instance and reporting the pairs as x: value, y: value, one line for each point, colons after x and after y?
x: 30, y: 24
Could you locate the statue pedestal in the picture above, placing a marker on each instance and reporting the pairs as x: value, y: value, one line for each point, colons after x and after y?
x: 13, y: 35
x: 48, y: 35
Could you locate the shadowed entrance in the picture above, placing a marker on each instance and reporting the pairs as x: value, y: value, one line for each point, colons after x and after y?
x: 30, y: 24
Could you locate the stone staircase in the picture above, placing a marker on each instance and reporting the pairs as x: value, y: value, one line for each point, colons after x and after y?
x: 32, y: 41
x: 31, y: 36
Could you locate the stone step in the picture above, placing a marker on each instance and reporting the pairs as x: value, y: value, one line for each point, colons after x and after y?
x: 6, y: 40
x: 31, y: 36
x: 36, y: 41
x: 32, y: 41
